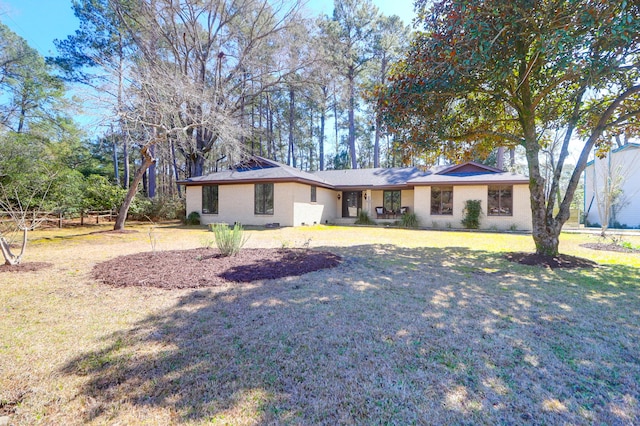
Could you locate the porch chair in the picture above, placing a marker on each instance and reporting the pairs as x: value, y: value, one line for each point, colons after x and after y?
x: 380, y: 213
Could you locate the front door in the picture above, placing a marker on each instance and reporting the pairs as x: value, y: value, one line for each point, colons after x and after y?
x: 351, y: 203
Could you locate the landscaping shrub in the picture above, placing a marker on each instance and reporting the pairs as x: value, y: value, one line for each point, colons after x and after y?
x: 409, y: 220
x: 193, y: 218
x: 472, y: 211
x: 166, y: 208
x: 98, y: 193
x: 229, y: 240
x: 364, y: 219
x: 157, y: 209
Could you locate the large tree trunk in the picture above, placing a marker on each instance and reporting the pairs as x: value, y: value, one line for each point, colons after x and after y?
x: 271, y: 151
x: 321, y: 141
x: 291, y: 155
x: 10, y: 258
x: 545, y: 233
x: 500, y: 158
x: 174, y: 161
x: 195, y: 164
x: 114, y: 146
x: 147, y: 161
x: 125, y: 162
x: 376, y: 142
x: 335, y: 120
x: 152, y: 175
x: 352, y: 118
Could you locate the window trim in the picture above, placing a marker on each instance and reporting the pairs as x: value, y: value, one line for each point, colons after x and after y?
x: 265, y: 203
x: 397, y: 208
x: 499, y: 188
x: 216, y: 202
x: 441, y: 189
x: 314, y: 194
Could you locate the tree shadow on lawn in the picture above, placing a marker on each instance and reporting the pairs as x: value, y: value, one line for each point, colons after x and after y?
x: 393, y: 335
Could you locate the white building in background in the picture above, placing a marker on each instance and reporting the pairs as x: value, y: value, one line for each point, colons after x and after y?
x: 620, y: 169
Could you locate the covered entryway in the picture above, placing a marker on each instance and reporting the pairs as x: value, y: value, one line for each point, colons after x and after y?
x: 351, y: 203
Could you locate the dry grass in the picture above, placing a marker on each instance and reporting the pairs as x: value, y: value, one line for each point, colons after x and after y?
x: 416, y: 327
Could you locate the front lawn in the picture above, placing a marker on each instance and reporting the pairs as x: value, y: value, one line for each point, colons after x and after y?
x: 414, y: 327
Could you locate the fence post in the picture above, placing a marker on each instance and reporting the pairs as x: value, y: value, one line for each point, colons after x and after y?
x: 97, y: 217
x: 60, y: 219
x: 81, y: 217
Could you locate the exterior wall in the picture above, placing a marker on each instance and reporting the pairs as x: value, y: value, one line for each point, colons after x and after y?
x: 307, y: 212
x: 236, y: 204
x: 520, y: 220
x: 624, y: 165
x: 193, y: 199
x: 407, y: 200
x: 376, y: 201
x: 291, y: 205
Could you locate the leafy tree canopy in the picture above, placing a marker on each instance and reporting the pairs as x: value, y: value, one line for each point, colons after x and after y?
x: 483, y: 74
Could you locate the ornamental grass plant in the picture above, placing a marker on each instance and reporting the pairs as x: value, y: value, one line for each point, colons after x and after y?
x: 409, y: 220
x: 229, y: 240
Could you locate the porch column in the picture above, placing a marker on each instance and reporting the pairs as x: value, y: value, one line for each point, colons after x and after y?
x: 367, y: 203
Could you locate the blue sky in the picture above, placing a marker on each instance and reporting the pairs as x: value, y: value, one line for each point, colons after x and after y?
x: 39, y: 21
x: 42, y: 21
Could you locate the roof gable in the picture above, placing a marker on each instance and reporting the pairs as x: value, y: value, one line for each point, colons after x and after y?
x: 258, y: 169
x: 254, y: 163
x: 470, y: 168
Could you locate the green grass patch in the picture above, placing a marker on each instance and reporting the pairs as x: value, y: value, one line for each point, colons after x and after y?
x: 413, y: 325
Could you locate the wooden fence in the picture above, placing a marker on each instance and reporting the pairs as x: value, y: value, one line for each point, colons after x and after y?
x: 59, y: 218
x: 98, y: 214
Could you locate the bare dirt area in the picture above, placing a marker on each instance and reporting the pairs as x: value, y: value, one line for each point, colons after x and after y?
x: 25, y: 267
x: 563, y: 261
x: 610, y: 247
x: 204, y: 267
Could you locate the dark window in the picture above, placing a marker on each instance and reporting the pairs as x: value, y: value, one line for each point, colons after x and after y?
x: 264, y: 198
x: 391, y: 201
x: 210, y: 199
x: 500, y: 200
x: 442, y: 200
x: 314, y: 193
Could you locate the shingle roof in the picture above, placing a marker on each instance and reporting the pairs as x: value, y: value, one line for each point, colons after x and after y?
x: 264, y: 170
x: 363, y: 178
x: 270, y: 171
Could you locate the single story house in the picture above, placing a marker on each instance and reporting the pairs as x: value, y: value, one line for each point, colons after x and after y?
x: 620, y: 170
x: 261, y: 192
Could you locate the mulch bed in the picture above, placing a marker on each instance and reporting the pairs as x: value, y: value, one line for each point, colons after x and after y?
x: 206, y: 267
x: 563, y: 261
x: 609, y: 247
x: 25, y: 267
